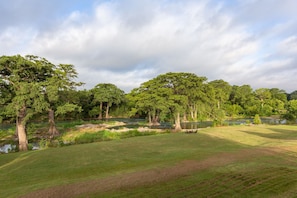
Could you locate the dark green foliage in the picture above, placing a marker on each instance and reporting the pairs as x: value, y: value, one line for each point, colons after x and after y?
x: 291, y: 110
x: 105, y: 95
x: 292, y: 96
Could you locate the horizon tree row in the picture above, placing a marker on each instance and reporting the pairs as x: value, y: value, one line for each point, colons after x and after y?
x: 32, y: 88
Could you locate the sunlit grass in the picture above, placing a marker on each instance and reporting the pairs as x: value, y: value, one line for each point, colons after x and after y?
x: 256, y: 135
x: 257, y: 176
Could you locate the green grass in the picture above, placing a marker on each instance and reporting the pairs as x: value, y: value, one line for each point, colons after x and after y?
x: 261, y: 176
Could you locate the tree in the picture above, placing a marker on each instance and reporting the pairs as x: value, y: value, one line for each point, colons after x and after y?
x: 173, y: 87
x: 108, y: 94
x: 278, y: 100
x: 291, y: 110
x: 263, y: 95
x: 6, y: 96
x: 293, y: 95
x: 278, y: 94
x: 233, y: 110
x: 222, y: 91
x: 196, y: 93
x: 85, y: 98
x: 220, y: 94
x: 241, y: 95
x: 147, y: 101
x: 26, y: 79
x: 168, y: 94
x: 57, y: 88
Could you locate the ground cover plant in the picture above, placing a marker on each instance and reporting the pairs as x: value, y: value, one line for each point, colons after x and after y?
x: 234, y: 161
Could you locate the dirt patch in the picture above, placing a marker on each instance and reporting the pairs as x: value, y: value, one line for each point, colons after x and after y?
x: 183, y: 168
x: 99, y: 126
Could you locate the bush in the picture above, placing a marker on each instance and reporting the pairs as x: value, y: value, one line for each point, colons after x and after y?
x: 89, y: 137
x: 108, y: 135
x: 44, y: 143
x: 257, y: 119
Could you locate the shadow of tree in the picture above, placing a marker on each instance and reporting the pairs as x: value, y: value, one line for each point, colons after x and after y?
x: 276, y: 133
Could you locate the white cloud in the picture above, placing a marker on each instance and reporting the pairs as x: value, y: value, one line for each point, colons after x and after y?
x: 128, y: 42
x: 13, y: 39
x: 288, y: 46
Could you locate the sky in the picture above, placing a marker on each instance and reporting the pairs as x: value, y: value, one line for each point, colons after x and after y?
x: 128, y: 42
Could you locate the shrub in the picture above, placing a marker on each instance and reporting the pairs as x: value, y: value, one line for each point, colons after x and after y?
x: 44, y: 143
x: 108, y: 135
x: 89, y: 137
x: 257, y: 119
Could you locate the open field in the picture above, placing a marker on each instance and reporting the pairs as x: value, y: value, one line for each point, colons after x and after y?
x: 237, y: 161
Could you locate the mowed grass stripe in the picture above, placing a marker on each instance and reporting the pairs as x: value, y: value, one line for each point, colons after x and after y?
x: 78, y: 163
x: 262, y: 182
x: 223, y: 186
x: 211, y: 163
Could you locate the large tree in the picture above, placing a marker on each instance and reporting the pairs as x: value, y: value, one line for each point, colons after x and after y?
x: 57, y: 91
x: 291, y: 110
x: 263, y: 99
x: 171, y: 94
x: 221, y: 91
x: 26, y: 79
x: 278, y: 100
x: 147, y: 100
x: 107, y: 94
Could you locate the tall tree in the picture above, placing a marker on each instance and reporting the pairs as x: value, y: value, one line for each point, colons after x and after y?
x: 263, y: 95
x: 291, y: 110
x: 243, y: 97
x: 222, y: 91
x: 278, y: 100
x: 169, y: 94
x: 57, y: 88
x: 27, y: 79
x: 146, y: 100
x: 196, y: 93
x: 108, y: 94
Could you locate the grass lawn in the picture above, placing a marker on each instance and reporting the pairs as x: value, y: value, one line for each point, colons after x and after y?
x: 237, y: 161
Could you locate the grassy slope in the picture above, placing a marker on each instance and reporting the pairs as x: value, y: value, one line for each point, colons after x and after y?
x: 21, y: 173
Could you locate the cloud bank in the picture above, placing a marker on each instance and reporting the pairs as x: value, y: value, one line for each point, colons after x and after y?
x: 128, y: 42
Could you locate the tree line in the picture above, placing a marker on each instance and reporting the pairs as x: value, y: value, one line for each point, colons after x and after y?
x: 32, y: 88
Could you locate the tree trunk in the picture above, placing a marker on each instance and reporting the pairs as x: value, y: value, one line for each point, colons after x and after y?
x: 53, y: 131
x: 21, y: 130
x: 177, y: 122
x: 156, y: 120
x: 192, y: 110
x: 100, y: 111
x: 195, y: 112
x: 185, y: 117
x: 149, y: 118
x: 107, y: 111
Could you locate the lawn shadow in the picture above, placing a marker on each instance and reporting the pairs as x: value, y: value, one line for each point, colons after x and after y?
x: 276, y: 133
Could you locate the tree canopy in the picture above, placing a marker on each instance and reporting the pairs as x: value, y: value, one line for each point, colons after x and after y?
x: 33, y: 86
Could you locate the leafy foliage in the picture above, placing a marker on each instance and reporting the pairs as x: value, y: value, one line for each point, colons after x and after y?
x: 257, y: 119
x: 108, y: 94
x: 107, y: 135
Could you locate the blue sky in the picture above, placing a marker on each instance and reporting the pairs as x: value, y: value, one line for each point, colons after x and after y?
x: 127, y: 42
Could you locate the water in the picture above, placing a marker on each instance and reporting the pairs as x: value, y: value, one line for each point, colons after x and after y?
x: 135, y: 123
